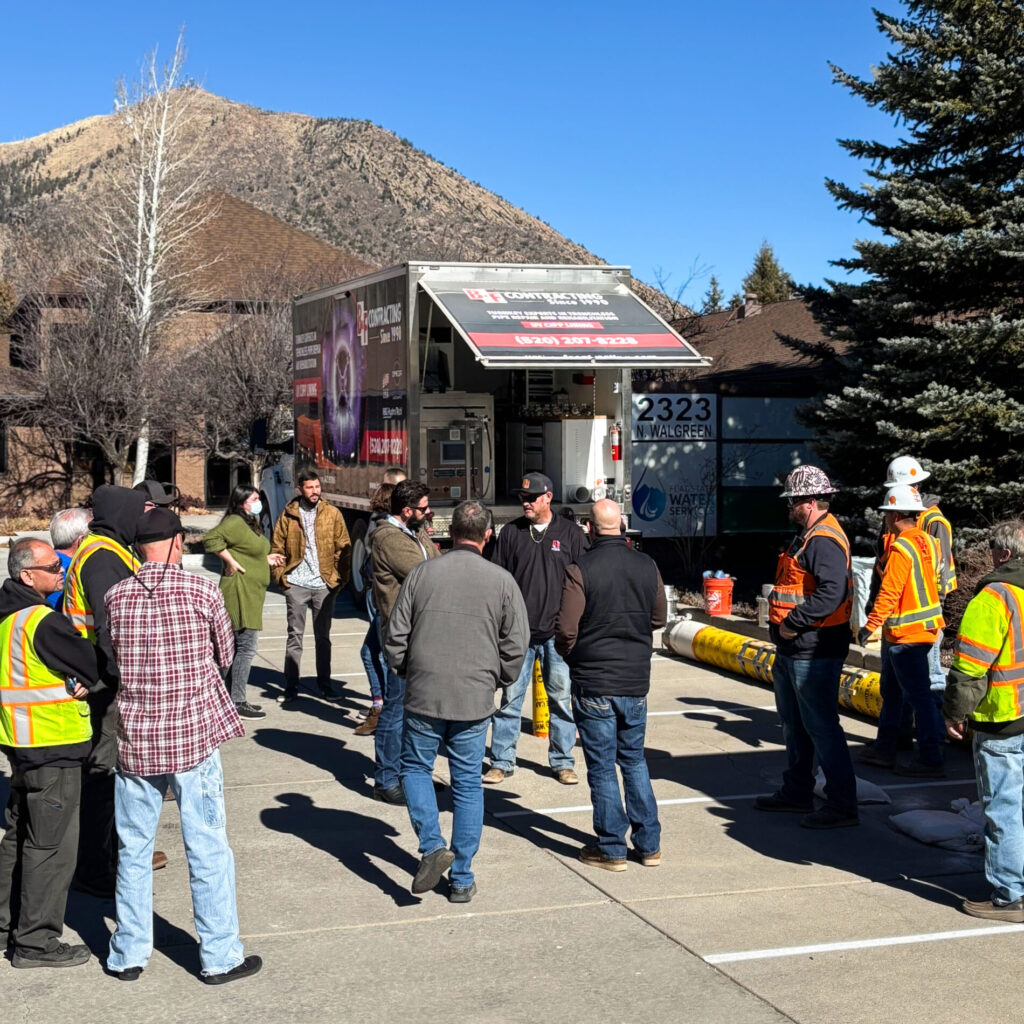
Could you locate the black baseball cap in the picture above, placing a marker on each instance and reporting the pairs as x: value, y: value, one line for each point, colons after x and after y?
x: 157, y: 524
x: 158, y: 493
x: 535, y: 484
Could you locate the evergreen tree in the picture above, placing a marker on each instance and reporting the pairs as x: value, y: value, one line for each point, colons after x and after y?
x: 767, y: 280
x: 936, y: 333
x: 712, y: 297
x: 735, y: 300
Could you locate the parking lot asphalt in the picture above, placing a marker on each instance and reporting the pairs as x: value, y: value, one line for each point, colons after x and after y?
x: 749, y: 918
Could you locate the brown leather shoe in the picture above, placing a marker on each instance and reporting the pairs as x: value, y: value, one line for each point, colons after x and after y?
x: 567, y: 777
x: 159, y: 860
x: 369, y: 727
x: 493, y: 776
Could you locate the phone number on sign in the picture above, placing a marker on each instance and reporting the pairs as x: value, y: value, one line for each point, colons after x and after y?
x: 570, y: 340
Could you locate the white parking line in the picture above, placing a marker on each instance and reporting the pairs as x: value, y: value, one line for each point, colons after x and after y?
x: 704, y: 799
x: 836, y: 947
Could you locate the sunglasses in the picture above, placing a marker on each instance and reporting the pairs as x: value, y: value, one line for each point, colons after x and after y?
x: 55, y: 568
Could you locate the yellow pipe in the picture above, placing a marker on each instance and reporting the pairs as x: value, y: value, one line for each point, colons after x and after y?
x: 858, y: 688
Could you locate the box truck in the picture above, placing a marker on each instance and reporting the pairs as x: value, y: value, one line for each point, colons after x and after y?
x: 469, y: 376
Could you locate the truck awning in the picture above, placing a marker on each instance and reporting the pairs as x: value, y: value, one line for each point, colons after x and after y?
x: 593, y: 324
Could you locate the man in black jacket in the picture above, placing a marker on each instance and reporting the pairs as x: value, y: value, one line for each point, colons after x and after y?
x: 611, y: 603
x: 536, y: 549
x: 46, y: 669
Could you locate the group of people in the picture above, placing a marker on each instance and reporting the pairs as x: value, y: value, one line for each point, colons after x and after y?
x: 121, y: 675
x: 809, y: 611
x: 107, y: 708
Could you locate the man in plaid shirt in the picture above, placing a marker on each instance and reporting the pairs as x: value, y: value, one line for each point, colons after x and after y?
x: 170, y: 632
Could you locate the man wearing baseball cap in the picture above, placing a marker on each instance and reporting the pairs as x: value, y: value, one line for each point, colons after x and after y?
x: 536, y: 549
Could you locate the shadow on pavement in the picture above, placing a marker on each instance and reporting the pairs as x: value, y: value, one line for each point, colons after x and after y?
x: 354, y: 839
x: 328, y: 753
x: 540, y: 830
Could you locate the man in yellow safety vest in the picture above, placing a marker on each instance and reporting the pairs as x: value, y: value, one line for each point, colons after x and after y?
x: 46, y: 669
x: 986, y: 686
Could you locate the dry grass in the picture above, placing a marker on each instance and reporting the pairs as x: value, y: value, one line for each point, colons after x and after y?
x: 691, y: 599
x: 10, y: 525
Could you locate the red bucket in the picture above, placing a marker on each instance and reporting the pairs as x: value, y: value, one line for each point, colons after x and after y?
x: 718, y: 595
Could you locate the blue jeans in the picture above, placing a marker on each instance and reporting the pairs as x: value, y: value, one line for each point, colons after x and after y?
x: 905, y: 686
x: 211, y: 866
x: 807, y: 696
x: 999, y: 766
x: 387, y: 740
x: 464, y: 745
x: 561, y: 728
x: 612, y: 733
x: 372, y: 655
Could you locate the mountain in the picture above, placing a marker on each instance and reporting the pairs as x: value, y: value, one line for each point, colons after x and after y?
x: 350, y: 183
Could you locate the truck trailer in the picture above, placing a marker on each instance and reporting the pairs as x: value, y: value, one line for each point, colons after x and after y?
x: 469, y: 376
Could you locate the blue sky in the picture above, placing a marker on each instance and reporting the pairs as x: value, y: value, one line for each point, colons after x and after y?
x: 655, y: 134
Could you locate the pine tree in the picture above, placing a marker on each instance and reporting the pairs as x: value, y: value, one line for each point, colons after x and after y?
x: 712, y: 297
x: 936, y: 333
x: 767, y: 280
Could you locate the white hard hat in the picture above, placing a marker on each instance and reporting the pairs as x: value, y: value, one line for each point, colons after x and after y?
x: 902, y: 498
x: 905, y: 469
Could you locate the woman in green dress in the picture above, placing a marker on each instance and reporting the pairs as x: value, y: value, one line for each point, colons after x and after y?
x: 245, y: 552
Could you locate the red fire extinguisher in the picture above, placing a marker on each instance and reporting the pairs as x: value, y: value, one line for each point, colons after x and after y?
x: 615, y: 435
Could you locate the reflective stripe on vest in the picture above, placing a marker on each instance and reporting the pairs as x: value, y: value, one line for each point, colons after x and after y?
x: 936, y: 525
x: 1004, y: 699
x: 36, y: 709
x: 919, y: 602
x: 794, y: 584
x: 76, y: 604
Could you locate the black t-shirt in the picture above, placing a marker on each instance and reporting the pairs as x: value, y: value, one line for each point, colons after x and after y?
x: 537, y: 561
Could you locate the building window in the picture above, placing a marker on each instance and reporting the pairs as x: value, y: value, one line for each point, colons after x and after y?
x: 3, y: 447
x: 23, y: 354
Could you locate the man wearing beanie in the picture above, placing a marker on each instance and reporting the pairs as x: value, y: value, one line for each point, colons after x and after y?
x: 171, y: 634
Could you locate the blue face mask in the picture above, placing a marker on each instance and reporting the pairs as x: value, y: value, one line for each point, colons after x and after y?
x: 256, y: 507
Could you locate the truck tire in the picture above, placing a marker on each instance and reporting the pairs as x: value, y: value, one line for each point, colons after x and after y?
x: 360, y: 552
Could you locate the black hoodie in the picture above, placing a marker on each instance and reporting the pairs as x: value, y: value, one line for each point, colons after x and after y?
x: 115, y: 513
x: 61, y: 648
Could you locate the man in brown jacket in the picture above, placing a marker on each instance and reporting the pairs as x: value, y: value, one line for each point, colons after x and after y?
x: 311, y: 536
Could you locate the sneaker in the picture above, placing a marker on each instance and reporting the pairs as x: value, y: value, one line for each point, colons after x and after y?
x: 648, y: 860
x: 62, y: 956
x: 921, y: 770
x: 872, y: 755
x: 1013, y: 912
x: 460, y: 895
x: 287, y: 697
x: 829, y: 817
x: 391, y: 795
x: 493, y: 776
x: 777, y: 802
x: 431, y: 868
x: 593, y: 856
x: 249, y: 966
x: 128, y: 974
x: 247, y: 710
x: 566, y: 776
x: 369, y: 725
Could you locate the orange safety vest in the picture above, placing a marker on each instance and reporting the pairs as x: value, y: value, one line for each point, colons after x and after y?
x: 76, y: 604
x: 920, y: 606
x: 794, y: 584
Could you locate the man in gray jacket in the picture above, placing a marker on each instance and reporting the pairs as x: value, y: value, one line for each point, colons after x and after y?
x: 458, y: 631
